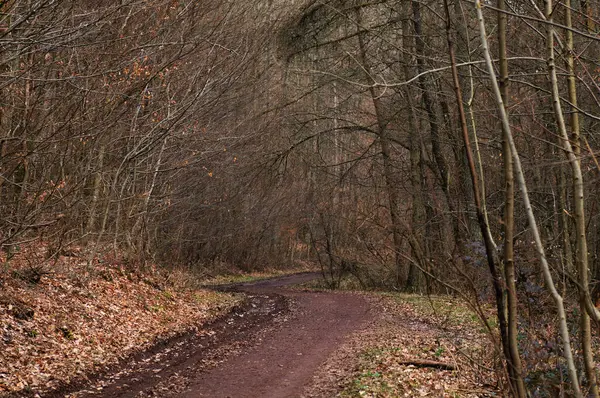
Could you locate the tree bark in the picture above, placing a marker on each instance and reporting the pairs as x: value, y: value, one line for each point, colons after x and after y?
x: 490, y: 247
x: 418, y: 216
x: 572, y: 150
x: 96, y: 191
x: 386, y: 152
x: 513, y: 358
x: 440, y: 160
x: 558, y: 300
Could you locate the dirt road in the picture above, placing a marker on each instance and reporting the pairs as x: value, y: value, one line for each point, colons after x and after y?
x: 270, y: 347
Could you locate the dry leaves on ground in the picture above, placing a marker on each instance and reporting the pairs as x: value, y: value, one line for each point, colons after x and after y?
x: 388, y: 358
x: 74, y: 319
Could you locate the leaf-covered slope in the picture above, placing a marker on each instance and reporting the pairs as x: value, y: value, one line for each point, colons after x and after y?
x: 77, y: 319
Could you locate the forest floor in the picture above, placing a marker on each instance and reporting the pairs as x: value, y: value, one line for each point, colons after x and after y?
x: 64, y: 322
x: 107, y: 332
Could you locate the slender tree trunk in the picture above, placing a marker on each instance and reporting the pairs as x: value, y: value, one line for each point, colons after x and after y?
x: 440, y: 160
x: 386, y: 151
x: 589, y: 18
x: 562, y: 317
x: 490, y: 247
x: 418, y: 216
x: 25, y: 118
x: 572, y: 149
x: 96, y: 191
x: 463, y: 54
x: 514, y: 358
x: 564, y: 222
x: 3, y: 146
x: 142, y: 220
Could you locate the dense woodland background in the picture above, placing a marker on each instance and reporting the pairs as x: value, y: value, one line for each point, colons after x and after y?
x: 369, y: 137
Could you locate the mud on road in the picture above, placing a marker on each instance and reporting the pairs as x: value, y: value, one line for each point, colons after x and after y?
x: 271, y: 346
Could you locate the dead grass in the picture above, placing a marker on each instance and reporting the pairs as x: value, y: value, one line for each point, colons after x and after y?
x: 384, y: 360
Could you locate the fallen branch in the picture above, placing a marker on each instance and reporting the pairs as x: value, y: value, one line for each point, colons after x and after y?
x: 424, y: 363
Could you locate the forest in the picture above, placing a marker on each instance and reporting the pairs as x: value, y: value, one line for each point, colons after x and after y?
x: 434, y: 147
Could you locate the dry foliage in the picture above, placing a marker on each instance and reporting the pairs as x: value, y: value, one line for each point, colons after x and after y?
x: 75, y: 319
x: 396, y: 355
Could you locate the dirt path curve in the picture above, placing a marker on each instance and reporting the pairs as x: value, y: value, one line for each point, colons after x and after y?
x: 286, y: 359
x: 279, y: 340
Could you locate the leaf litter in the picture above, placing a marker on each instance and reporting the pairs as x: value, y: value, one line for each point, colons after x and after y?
x: 75, y: 320
x: 409, y: 351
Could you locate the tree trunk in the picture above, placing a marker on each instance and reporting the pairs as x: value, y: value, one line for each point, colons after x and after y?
x: 418, y: 217
x: 386, y: 152
x: 562, y: 317
x: 490, y: 247
x: 440, y: 160
x: 515, y: 367
x: 572, y: 150
x: 96, y: 191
